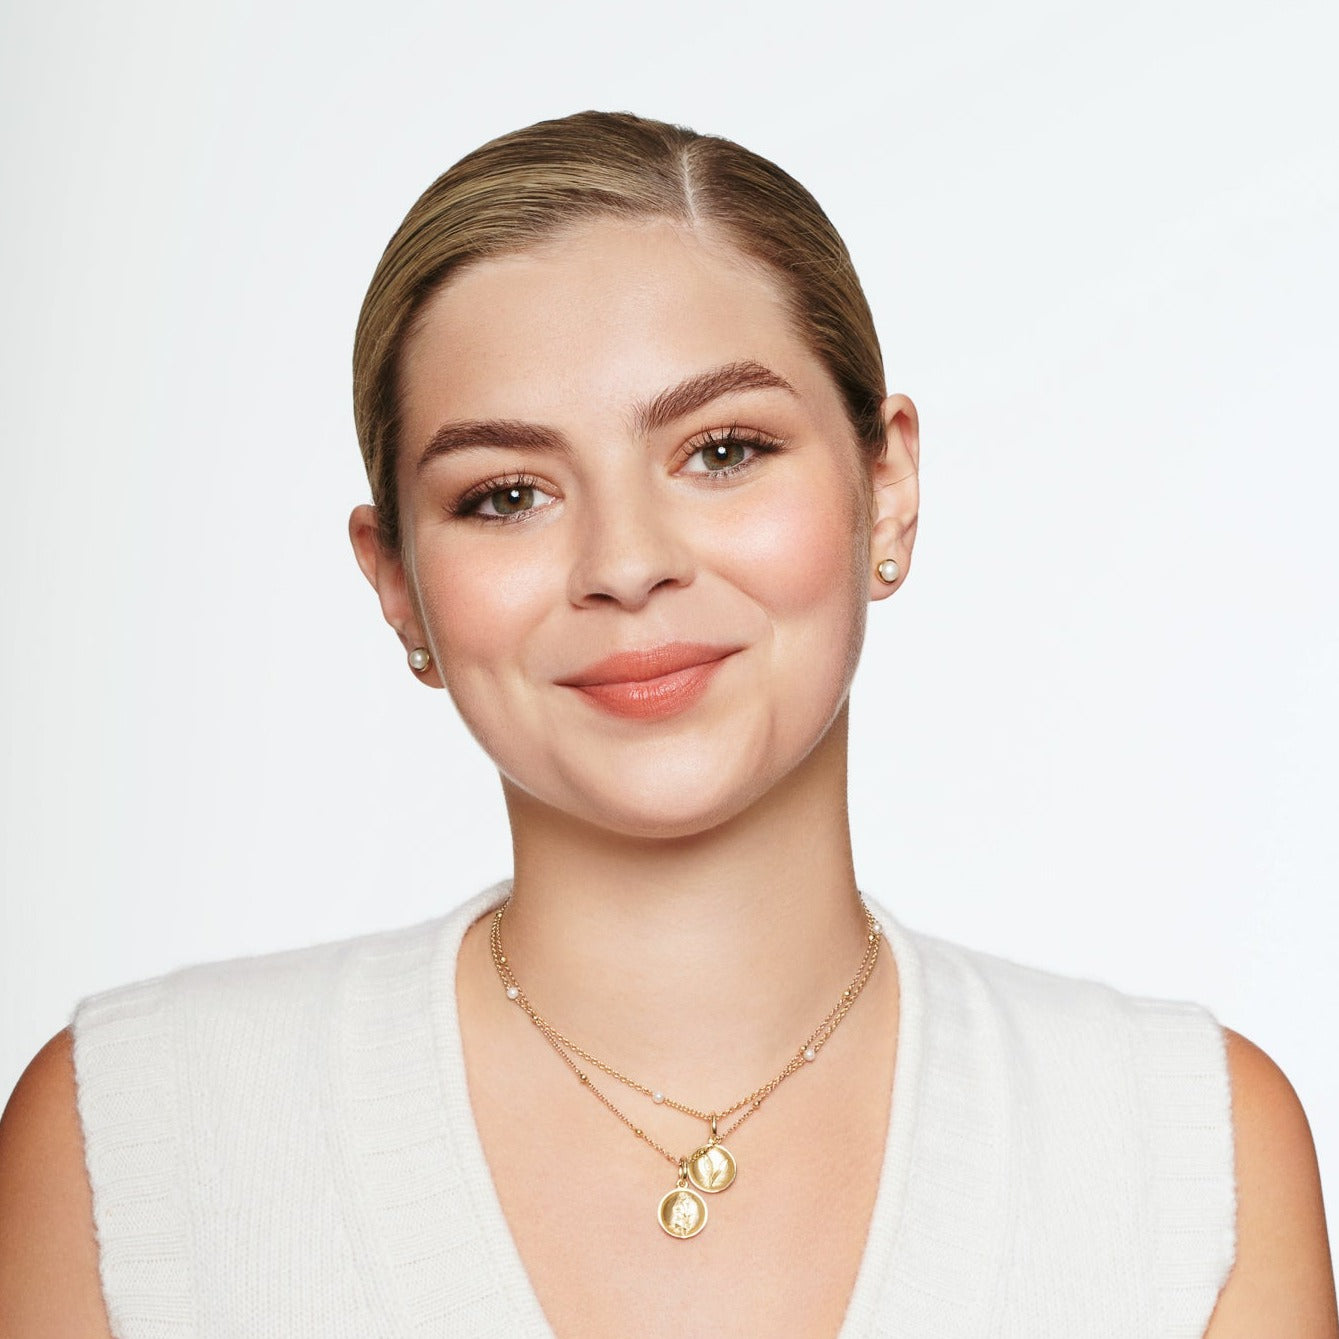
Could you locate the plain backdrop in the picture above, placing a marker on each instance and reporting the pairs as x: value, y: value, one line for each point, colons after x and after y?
x: 1095, y: 732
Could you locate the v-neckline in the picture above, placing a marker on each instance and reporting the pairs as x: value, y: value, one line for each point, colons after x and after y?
x: 485, y: 1209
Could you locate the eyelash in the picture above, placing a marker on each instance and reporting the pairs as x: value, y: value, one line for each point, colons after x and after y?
x: 470, y: 503
x: 474, y: 499
x: 758, y: 444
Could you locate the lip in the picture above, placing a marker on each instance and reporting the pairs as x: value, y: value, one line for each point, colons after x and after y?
x: 653, y: 683
x: 642, y: 666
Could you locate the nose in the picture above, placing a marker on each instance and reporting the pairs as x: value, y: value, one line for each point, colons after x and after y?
x: 627, y: 547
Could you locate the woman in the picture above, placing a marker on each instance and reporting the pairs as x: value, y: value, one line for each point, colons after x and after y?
x: 636, y: 480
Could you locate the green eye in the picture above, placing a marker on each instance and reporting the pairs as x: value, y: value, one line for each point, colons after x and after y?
x: 505, y: 499
x: 508, y: 501
x: 723, y: 454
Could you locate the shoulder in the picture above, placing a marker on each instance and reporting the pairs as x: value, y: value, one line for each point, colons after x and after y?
x: 1228, y: 1135
x: 230, y: 1038
x: 1078, y: 1061
x: 1228, y: 1131
x: 1036, y: 1004
x: 48, y: 1252
x: 1080, y: 1021
x: 1281, y: 1282
x: 246, y: 991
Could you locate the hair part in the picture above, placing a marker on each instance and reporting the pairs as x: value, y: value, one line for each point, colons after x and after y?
x: 526, y: 187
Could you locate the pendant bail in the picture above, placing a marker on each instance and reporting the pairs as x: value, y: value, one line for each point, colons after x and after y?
x: 713, y: 1127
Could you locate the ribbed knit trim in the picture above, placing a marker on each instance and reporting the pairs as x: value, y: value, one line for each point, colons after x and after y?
x: 520, y: 1312
x: 1193, y: 1193
x: 940, y: 1232
x: 417, y: 1167
x: 126, y: 1070
x: 890, y: 1203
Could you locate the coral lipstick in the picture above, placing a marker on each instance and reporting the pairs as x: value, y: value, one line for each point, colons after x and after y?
x: 651, y: 684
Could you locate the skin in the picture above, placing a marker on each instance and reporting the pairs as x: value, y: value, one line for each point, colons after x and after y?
x: 689, y: 877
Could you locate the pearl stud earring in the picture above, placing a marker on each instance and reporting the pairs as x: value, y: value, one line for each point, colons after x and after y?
x: 888, y: 571
x: 419, y: 659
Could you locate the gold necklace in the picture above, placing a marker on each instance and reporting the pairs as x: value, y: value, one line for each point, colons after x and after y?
x: 710, y: 1168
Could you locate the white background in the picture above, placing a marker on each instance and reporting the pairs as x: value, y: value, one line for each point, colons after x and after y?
x: 1096, y: 731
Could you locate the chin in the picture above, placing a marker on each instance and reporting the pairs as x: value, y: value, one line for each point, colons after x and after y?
x: 656, y: 819
x: 664, y: 794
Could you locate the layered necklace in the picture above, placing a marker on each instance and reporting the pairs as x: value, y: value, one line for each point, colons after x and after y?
x: 710, y: 1168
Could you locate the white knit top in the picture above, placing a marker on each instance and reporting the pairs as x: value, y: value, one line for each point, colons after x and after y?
x: 285, y: 1146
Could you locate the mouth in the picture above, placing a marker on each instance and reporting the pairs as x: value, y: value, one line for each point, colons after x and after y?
x: 653, y: 683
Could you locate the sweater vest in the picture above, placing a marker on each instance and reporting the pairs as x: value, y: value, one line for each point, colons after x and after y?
x: 284, y: 1145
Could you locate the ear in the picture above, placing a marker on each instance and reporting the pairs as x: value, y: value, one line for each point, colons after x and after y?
x: 385, y: 570
x: 896, y: 494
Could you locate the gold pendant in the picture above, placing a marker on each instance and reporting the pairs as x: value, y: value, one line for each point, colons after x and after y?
x: 712, y: 1168
x: 683, y: 1212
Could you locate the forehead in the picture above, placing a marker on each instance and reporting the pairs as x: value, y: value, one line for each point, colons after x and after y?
x: 593, y: 320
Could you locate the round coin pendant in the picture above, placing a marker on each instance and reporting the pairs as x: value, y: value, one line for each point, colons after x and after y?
x: 683, y: 1213
x: 712, y: 1168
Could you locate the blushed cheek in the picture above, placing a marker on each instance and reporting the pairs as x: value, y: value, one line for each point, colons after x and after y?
x: 472, y: 619
x: 476, y: 613
x: 798, y: 556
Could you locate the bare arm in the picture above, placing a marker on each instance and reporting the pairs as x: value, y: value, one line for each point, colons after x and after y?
x: 49, y: 1286
x: 1282, y: 1282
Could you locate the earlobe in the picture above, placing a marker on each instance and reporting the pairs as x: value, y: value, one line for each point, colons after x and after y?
x: 896, y: 498
x: 385, y: 572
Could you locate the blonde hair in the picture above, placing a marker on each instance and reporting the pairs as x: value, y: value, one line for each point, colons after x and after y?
x: 523, y: 188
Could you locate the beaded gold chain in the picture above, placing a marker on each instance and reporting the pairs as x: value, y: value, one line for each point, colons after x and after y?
x: 711, y: 1167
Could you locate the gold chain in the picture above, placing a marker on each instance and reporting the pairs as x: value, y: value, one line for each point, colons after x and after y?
x: 566, y: 1048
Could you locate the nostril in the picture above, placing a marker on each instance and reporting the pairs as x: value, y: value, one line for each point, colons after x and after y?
x: 628, y: 572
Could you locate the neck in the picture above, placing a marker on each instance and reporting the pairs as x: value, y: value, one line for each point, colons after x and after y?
x: 744, y: 935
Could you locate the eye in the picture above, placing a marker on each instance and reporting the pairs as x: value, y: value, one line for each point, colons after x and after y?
x: 723, y: 454
x: 504, y: 499
x: 508, y: 501
x: 727, y: 452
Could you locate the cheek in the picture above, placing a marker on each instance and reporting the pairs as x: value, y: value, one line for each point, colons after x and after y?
x: 480, y: 615
x: 474, y: 608
x: 801, y: 554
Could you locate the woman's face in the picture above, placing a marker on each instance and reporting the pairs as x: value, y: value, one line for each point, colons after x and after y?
x: 636, y: 525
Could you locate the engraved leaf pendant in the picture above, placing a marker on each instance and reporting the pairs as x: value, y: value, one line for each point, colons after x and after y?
x: 712, y: 1168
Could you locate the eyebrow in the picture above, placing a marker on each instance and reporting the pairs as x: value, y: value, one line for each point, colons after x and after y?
x: 505, y: 432
x: 696, y: 391
x: 691, y: 394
